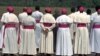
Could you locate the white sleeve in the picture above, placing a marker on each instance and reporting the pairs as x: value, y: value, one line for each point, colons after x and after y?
x: 91, y: 17
x: 3, y: 18
x: 53, y: 24
x: 42, y: 19
x: 19, y: 17
x: 54, y: 21
x: 17, y: 21
x: 34, y: 22
x: 42, y: 26
x: 41, y: 14
x: 33, y: 14
x: 41, y: 23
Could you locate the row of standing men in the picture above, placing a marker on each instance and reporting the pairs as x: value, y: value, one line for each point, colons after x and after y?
x: 78, y: 33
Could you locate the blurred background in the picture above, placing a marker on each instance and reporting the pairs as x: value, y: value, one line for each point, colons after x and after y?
x: 53, y: 3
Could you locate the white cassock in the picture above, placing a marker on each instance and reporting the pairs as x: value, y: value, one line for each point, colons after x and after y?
x: 1, y: 36
x: 82, y: 45
x: 95, y: 32
x: 27, y: 44
x: 21, y: 18
x: 64, y: 38
x: 37, y: 15
x: 72, y: 27
x: 10, y: 37
x: 46, y: 42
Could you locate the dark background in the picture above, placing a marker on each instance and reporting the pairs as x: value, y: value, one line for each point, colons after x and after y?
x: 53, y: 3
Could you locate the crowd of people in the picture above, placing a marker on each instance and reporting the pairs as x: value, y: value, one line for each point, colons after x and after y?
x: 31, y: 32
